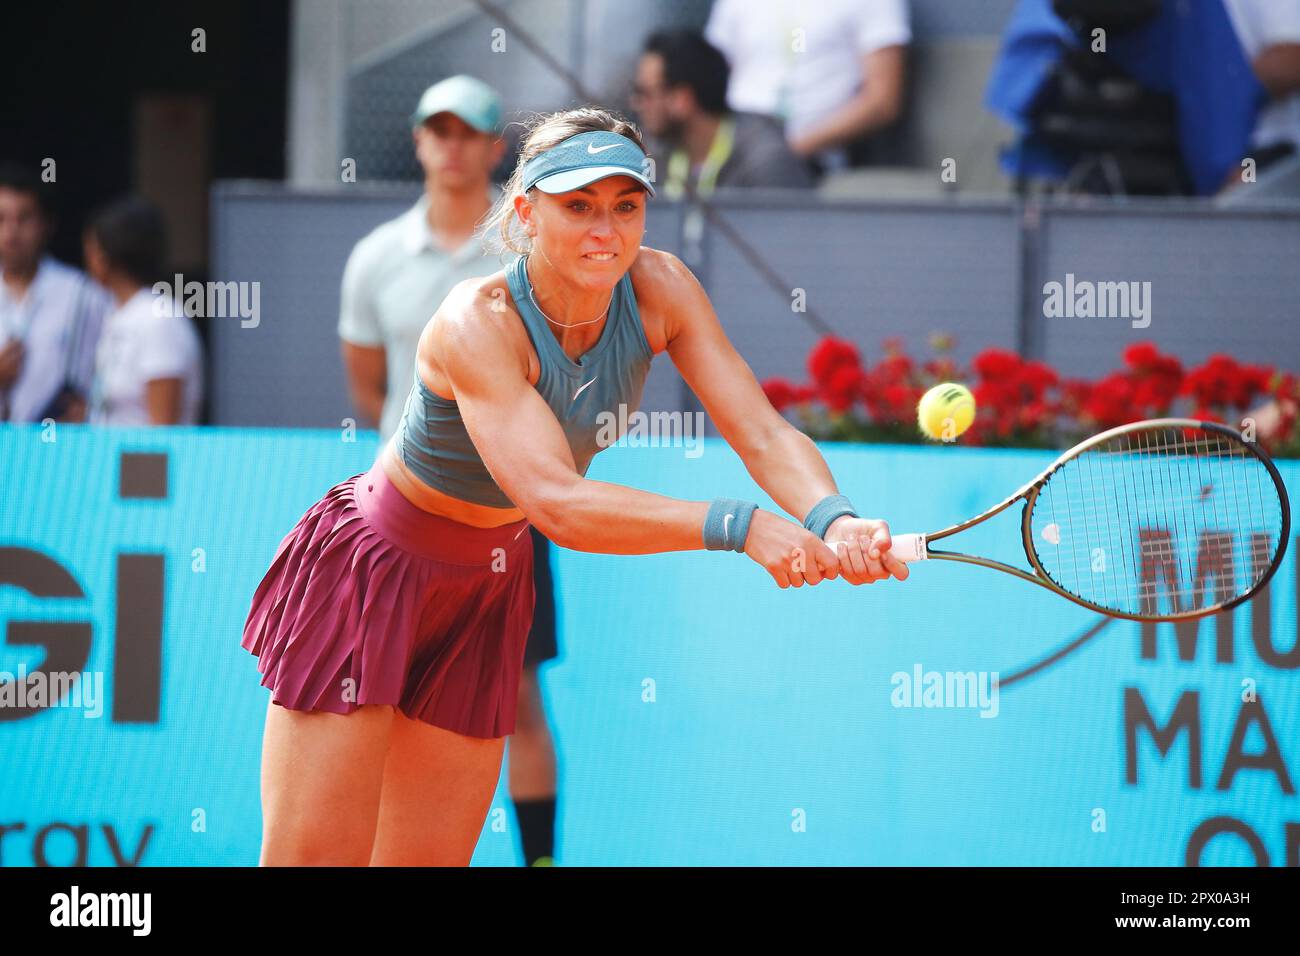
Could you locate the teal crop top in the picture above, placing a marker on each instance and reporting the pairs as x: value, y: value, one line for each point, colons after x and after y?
x: 432, y: 438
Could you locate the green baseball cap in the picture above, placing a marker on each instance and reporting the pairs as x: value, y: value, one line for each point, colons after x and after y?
x: 472, y: 100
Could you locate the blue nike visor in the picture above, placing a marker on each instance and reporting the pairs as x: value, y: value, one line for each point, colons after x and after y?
x: 582, y: 159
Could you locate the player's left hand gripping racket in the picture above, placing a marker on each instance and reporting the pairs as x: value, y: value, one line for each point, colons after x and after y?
x: 1157, y: 508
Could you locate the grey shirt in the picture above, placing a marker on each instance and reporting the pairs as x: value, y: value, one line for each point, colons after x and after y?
x: 761, y: 157
x: 394, y: 281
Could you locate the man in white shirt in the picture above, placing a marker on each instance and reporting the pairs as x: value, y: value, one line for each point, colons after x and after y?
x: 50, y: 314
x: 398, y: 275
x: 832, y: 70
x: 1269, y: 31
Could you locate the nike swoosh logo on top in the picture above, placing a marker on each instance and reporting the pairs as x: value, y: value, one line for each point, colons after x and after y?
x: 593, y: 148
x: 726, y: 528
x: 579, y: 391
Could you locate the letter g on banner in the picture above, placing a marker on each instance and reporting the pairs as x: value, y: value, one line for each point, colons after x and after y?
x: 66, y: 643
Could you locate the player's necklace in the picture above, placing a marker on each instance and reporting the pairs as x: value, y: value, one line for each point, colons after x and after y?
x: 566, y: 325
x: 563, y: 325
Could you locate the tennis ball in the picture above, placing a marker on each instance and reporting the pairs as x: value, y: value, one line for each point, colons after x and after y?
x: 946, y: 411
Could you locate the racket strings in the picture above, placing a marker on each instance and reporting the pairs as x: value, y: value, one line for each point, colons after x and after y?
x: 1158, y: 512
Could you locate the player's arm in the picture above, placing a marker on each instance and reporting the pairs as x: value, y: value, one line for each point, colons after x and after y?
x: 525, y: 450
x: 781, y: 459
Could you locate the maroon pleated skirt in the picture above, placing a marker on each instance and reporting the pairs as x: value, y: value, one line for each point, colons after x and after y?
x: 371, y: 600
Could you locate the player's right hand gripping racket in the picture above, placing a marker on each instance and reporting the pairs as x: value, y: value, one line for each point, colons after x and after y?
x: 1158, y: 508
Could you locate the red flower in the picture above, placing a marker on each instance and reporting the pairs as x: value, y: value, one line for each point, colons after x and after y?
x: 1037, y: 377
x: 1075, y: 393
x: 1033, y: 415
x: 843, y: 388
x: 900, y: 403
x: 1157, y: 379
x: 1141, y: 355
x: 1214, y: 383
x: 992, y: 395
x: 997, y: 363
x: 829, y: 355
x: 1110, y: 402
x: 1284, y: 384
x: 896, y: 368
x: 1256, y: 380
x: 1222, y: 382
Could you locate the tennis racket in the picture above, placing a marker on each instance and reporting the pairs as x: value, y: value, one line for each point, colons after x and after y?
x: 1160, y: 520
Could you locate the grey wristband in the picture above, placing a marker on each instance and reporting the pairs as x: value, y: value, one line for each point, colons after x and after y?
x: 727, y: 524
x: 825, y: 512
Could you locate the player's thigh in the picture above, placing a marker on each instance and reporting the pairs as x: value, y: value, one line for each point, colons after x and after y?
x: 322, y: 775
x: 438, y: 786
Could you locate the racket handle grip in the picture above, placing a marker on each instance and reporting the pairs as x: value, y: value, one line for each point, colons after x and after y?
x: 908, y: 547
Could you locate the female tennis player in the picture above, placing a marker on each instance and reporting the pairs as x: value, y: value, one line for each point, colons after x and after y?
x: 391, y: 624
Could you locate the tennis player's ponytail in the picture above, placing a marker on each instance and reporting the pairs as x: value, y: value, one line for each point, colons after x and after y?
x: 501, y: 229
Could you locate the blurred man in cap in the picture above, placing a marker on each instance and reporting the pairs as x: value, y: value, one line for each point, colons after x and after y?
x: 398, y: 275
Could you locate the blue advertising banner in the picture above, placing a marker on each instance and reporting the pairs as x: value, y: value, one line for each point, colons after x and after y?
x: 702, y: 716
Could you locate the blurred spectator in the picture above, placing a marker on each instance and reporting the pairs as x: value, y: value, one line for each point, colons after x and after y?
x: 148, y: 368
x: 50, y: 314
x: 680, y: 97
x: 398, y: 275
x: 1269, y: 31
x: 833, y: 71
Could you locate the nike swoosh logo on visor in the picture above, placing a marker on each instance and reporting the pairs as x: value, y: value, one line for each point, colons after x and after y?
x: 593, y: 148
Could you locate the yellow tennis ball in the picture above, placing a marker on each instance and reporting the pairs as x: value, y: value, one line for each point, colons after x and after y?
x: 946, y: 411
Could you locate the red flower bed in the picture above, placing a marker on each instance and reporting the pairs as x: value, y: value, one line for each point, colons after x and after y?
x: 1026, y: 402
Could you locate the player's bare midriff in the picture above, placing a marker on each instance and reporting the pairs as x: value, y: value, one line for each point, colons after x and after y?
x: 437, y: 502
